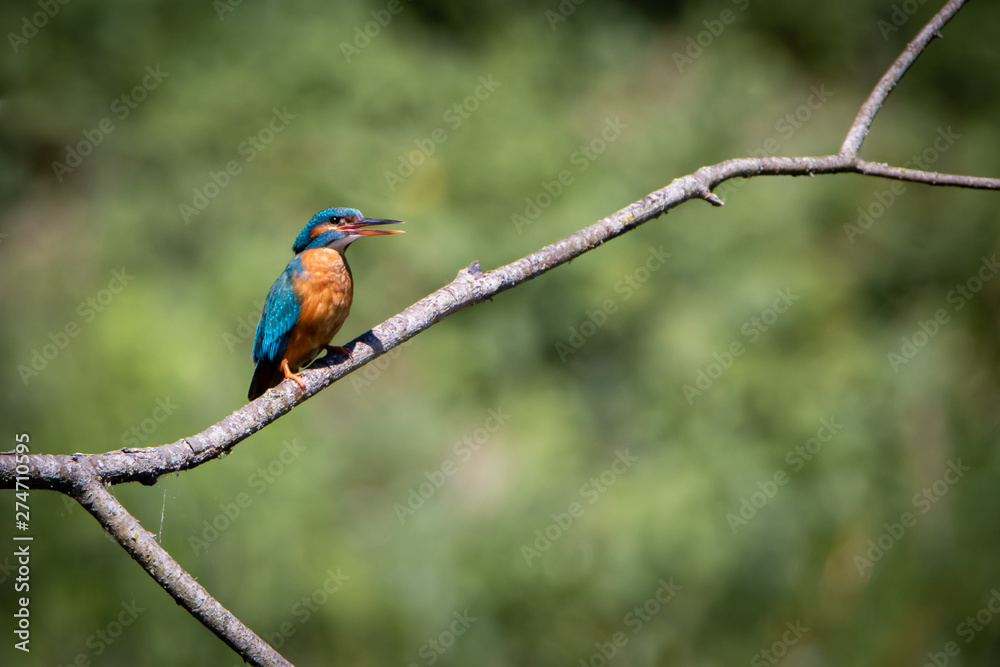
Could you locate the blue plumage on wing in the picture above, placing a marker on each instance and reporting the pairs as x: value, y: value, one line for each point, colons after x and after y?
x: 281, y: 312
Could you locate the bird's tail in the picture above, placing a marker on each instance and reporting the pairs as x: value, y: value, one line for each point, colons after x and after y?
x: 268, y: 374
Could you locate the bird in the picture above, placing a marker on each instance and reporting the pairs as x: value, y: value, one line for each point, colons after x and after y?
x: 308, y: 303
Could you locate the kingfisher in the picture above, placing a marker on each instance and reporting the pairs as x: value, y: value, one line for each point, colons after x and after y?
x: 310, y: 300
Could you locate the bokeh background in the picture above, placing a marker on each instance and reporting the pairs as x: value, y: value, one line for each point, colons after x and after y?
x: 534, y: 463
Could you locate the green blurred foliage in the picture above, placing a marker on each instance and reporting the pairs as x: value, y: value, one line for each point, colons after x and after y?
x: 323, y: 486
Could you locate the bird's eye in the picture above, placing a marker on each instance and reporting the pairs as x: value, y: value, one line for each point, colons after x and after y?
x: 334, y: 220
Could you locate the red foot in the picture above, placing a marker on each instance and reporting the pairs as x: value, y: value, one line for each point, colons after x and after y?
x: 289, y: 375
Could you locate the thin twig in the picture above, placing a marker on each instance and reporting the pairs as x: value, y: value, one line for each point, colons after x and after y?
x: 863, y: 122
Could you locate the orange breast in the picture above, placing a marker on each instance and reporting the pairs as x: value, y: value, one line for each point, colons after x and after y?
x: 325, y: 290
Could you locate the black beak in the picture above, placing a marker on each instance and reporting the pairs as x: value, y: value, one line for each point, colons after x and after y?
x: 358, y: 228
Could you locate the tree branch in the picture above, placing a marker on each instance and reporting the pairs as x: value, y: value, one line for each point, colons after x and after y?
x: 85, y: 476
x: 142, y: 546
x: 469, y: 288
x: 863, y: 121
